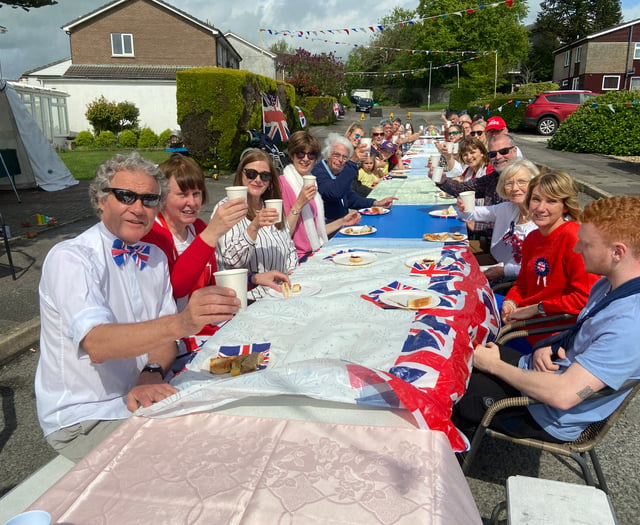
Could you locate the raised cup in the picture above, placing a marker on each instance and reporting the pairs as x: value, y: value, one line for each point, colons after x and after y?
x: 468, y: 199
x: 236, y: 280
x: 236, y: 192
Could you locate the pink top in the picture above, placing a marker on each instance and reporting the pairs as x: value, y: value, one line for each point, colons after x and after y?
x: 299, y: 237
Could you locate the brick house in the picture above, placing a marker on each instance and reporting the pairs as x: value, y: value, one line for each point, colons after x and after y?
x: 131, y: 50
x: 605, y: 61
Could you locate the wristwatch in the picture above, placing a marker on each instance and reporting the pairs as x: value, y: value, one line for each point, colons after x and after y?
x: 541, y: 308
x: 154, y: 367
x: 294, y: 211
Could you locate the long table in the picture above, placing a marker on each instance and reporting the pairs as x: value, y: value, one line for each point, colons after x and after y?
x: 333, y: 356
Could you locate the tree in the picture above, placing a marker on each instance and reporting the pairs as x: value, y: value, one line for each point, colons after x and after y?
x: 27, y: 4
x: 282, y: 48
x: 105, y: 115
x: 314, y: 74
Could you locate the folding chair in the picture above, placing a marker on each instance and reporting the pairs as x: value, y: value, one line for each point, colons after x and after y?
x: 576, y: 450
x: 7, y: 247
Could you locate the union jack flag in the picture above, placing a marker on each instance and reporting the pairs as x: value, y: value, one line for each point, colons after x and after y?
x: 138, y: 252
x: 274, y: 123
x: 391, y: 287
x: 254, y: 348
x: 303, y: 119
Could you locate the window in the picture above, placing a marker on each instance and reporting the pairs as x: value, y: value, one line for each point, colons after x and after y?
x: 636, y: 51
x: 610, y: 82
x: 122, y: 44
x: 578, y: 54
x: 575, y: 83
x: 567, y: 58
x: 634, y: 85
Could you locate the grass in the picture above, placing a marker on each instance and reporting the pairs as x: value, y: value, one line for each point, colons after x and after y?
x: 83, y: 164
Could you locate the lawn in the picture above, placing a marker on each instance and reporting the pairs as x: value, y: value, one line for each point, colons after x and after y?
x: 83, y: 164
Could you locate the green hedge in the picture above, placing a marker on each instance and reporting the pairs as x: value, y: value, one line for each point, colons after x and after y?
x: 608, y: 124
x: 128, y: 139
x: 320, y: 110
x: 217, y: 106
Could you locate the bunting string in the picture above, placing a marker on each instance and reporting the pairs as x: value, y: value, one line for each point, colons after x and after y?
x: 381, y: 27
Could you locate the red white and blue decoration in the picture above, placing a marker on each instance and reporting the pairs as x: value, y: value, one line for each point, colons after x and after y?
x: 274, y: 123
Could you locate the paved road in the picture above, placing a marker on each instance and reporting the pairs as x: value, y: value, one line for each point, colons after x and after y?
x: 23, y: 450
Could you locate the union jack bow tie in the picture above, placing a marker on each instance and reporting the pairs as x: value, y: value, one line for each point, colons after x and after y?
x: 138, y: 252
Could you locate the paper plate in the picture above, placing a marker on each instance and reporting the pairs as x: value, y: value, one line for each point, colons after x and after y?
x: 400, y: 299
x: 307, y: 288
x: 434, y: 256
x: 358, y: 230
x: 443, y: 237
x: 344, y: 259
x: 376, y: 210
x: 443, y: 213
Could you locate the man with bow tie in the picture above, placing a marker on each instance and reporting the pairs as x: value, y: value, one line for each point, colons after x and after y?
x: 108, y: 319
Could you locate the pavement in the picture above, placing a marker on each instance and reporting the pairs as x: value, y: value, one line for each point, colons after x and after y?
x: 598, y: 176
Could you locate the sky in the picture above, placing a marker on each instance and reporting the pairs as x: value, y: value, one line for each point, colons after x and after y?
x: 35, y: 38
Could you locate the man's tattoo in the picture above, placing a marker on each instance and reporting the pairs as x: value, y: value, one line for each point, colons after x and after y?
x: 585, y: 392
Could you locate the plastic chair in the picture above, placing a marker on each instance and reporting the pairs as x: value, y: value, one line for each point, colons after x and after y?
x: 576, y: 450
x: 7, y: 247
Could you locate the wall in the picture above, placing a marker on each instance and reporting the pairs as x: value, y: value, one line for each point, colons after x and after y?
x: 252, y: 59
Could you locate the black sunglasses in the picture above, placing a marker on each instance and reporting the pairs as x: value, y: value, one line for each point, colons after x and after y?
x: 502, y: 151
x: 302, y: 154
x: 150, y: 200
x: 377, y: 134
x: 476, y: 133
x: 265, y: 176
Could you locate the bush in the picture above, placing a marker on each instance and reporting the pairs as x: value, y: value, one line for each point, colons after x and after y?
x: 147, y: 138
x: 163, y: 138
x: 128, y: 139
x: 105, y: 115
x: 85, y: 139
x: 106, y: 139
x: 608, y: 124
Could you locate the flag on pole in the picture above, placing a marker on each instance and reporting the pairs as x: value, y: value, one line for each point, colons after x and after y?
x: 274, y: 123
x: 303, y: 119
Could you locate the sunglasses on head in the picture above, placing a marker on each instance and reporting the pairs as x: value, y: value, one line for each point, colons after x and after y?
x: 376, y: 134
x: 476, y: 133
x: 302, y: 154
x: 150, y: 200
x: 265, y: 176
x: 502, y: 151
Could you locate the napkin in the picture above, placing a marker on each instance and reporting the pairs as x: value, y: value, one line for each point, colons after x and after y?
x: 391, y: 287
x: 251, y: 348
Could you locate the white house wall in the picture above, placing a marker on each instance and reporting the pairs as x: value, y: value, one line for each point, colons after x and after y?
x: 253, y: 59
x: 156, y: 100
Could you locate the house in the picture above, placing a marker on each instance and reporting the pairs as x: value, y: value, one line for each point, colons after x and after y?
x: 115, y: 55
x: 254, y: 58
x: 605, y: 61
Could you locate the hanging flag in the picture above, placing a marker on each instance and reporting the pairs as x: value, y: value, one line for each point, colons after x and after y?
x: 336, y: 109
x: 274, y: 123
x: 303, y: 119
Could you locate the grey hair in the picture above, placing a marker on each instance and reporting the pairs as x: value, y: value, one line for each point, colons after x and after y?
x: 386, y: 121
x: 498, y: 137
x: 511, y: 169
x: 333, y: 139
x: 132, y: 162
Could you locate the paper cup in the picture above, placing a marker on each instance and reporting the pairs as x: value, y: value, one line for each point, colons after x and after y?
x: 32, y: 517
x: 456, y: 145
x: 469, y: 200
x: 276, y: 204
x: 366, y: 141
x: 308, y: 180
x: 235, y: 192
x: 435, y: 160
x: 237, y: 281
x: 450, y: 146
x: 436, y: 174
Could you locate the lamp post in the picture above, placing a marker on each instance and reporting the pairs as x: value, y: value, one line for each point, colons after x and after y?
x: 2, y: 31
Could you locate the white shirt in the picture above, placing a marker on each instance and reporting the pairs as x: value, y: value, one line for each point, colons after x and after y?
x: 82, y: 287
x: 273, y: 249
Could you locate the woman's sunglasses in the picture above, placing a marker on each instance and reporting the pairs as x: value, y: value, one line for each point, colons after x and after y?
x: 476, y: 133
x: 150, y: 200
x: 377, y: 134
x: 302, y: 154
x: 265, y: 176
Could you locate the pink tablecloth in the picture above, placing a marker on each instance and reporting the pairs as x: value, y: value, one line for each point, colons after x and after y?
x: 212, y: 468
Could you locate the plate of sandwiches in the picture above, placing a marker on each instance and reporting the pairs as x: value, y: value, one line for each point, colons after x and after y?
x: 302, y: 289
x: 447, y: 212
x: 444, y: 237
x: 410, y: 299
x: 375, y: 210
x: 355, y: 258
x: 358, y: 230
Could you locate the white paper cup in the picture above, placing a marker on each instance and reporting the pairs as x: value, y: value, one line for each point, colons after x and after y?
x: 32, y: 517
x: 435, y: 159
x: 450, y: 146
x: 308, y: 180
x: 237, y: 281
x: 366, y: 141
x: 456, y: 145
x: 235, y: 192
x: 276, y: 204
x: 436, y: 173
x: 469, y: 200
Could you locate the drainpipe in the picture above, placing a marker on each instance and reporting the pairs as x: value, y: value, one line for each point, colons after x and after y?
x: 626, y: 64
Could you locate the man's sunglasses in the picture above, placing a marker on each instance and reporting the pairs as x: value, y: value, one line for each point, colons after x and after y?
x: 302, y: 154
x: 502, y: 151
x: 150, y: 200
x: 377, y: 134
x: 265, y: 176
x: 476, y: 133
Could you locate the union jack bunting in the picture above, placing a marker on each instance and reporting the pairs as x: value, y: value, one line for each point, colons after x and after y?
x: 138, y: 252
x: 254, y: 348
x: 303, y: 119
x: 274, y: 123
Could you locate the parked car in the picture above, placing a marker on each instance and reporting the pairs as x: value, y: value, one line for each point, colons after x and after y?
x: 364, y: 105
x: 547, y: 110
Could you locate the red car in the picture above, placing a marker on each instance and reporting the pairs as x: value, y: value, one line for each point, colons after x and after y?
x: 546, y: 110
